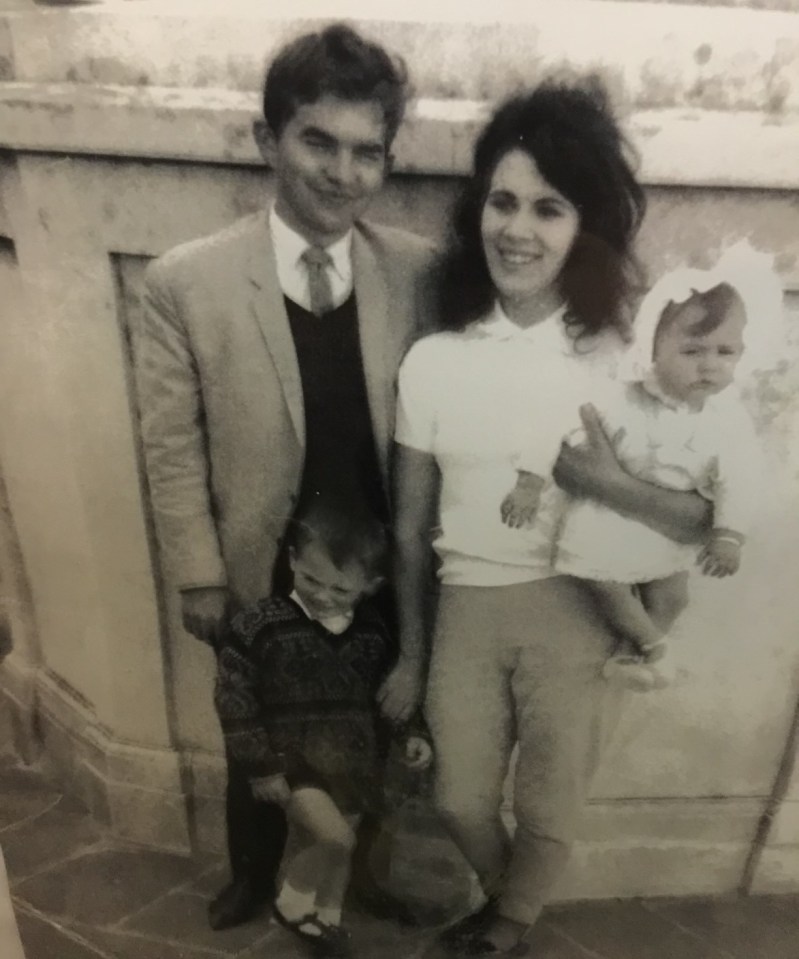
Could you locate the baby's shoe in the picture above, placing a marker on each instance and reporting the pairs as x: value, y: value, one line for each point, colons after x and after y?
x: 653, y: 668
x: 661, y: 665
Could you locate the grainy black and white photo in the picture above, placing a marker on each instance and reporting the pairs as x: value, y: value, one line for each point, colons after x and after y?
x: 399, y: 479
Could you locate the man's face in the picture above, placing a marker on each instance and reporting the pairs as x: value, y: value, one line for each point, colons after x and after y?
x: 329, y: 161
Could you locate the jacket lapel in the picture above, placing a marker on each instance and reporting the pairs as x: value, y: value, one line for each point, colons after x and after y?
x: 270, y: 313
x: 373, y: 326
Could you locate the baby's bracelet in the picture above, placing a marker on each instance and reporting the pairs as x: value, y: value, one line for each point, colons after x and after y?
x: 724, y: 538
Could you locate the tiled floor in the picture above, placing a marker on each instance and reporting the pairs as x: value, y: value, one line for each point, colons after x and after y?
x: 79, y: 894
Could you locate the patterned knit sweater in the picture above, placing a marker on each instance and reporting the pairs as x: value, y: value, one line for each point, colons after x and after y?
x: 293, y: 698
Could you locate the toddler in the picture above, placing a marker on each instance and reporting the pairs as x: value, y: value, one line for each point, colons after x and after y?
x: 675, y: 423
x: 295, y: 693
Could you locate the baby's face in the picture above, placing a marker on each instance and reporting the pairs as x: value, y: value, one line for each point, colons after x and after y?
x: 325, y: 589
x: 690, y: 367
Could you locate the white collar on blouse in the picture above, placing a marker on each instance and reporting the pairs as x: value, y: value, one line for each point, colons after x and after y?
x: 549, y: 331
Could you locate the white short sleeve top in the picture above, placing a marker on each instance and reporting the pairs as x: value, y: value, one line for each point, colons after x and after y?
x: 473, y: 399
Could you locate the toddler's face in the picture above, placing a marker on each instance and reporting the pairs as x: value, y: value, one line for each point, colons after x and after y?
x: 325, y: 589
x: 692, y: 366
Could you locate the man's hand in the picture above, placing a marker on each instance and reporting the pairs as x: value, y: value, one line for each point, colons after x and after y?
x: 587, y: 470
x: 720, y: 557
x: 272, y: 789
x: 519, y: 507
x: 401, y: 691
x: 204, y: 612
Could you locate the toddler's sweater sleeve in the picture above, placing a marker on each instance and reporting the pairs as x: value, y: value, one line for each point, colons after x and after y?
x: 238, y: 706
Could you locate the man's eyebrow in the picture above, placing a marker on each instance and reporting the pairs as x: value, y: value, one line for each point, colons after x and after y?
x: 319, y: 133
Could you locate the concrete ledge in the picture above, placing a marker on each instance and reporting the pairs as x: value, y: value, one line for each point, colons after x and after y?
x: 677, y: 146
x: 777, y: 870
x: 135, y: 790
x: 657, y: 55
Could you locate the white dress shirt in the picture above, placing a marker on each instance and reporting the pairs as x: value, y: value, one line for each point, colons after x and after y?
x: 292, y: 273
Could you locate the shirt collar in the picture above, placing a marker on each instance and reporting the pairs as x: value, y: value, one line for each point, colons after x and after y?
x: 498, y: 325
x: 652, y: 386
x: 290, y: 245
x: 333, y: 624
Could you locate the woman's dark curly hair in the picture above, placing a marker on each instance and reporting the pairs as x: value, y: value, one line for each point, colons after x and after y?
x: 570, y: 133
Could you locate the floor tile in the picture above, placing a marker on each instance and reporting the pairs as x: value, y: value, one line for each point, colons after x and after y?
x: 547, y: 941
x: 129, y: 945
x: 785, y: 903
x: 745, y: 928
x: 182, y: 917
x: 211, y: 880
x: 626, y: 930
x: 59, y: 833
x: 44, y: 940
x: 105, y: 887
x: 378, y: 938
x: 25, y: 795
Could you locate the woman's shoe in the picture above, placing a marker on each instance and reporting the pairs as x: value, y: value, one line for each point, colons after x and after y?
x: 326, y: 941
x: 465, y: 929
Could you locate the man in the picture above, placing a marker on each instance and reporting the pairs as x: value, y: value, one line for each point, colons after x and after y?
x: 266, y: 363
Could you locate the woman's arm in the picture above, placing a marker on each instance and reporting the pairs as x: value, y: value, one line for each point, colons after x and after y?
x: 592, y: 471
x: 416, y: 486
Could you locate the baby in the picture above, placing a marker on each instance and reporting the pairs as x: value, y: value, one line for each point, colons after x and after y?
x: 295, y: 694
x: 676, y: 424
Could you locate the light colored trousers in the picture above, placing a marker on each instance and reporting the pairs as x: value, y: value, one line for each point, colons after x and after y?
x: 519, y: 664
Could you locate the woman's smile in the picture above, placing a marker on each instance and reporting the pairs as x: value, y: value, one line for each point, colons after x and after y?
x: 528, y: 229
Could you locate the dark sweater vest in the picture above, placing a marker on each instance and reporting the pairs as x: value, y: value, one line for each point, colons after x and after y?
x: 340, y: 454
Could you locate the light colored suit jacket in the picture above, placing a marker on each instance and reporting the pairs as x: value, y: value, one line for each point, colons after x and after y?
x: 220, y: 396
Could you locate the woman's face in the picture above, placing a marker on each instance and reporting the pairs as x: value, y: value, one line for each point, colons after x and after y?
x: 528, y: 230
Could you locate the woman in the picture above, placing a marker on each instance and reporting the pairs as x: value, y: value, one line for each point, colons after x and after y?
x: 536, y: 292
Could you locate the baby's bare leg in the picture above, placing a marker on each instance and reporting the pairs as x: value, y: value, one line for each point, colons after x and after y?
x: 626, y: 614
x: 664, y: 599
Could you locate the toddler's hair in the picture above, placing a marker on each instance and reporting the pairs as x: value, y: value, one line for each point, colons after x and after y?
x: 716, y: 302
x: 348, y: 534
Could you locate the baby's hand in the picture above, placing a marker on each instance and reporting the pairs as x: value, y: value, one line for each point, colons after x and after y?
x: 418, y: 753
x: 720, y: 557
x: 272, y: 789
x: 521, y: 504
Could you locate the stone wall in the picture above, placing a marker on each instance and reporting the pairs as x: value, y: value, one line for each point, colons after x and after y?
x: 125, y: 130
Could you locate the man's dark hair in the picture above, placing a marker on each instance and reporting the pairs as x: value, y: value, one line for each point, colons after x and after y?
x: 338, y: 62
x: 570, y: 133
x: 348, y: 533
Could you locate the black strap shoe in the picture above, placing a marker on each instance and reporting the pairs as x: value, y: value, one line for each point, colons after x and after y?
x: 326, y: 941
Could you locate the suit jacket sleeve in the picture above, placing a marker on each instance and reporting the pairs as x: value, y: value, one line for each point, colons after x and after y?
x: 173, y: 434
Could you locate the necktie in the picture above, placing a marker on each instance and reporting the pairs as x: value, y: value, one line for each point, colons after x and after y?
x: 317, y: 261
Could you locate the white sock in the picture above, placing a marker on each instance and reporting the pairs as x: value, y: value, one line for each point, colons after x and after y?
x: 330, y: 915
x: 295, y: 904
